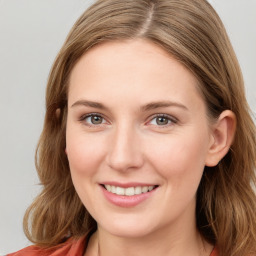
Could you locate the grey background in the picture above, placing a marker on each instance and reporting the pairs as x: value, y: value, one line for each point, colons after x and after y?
x: 31, y: 33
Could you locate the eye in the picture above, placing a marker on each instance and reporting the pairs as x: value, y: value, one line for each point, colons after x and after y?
x: 93, y: 119
x: 162, y: 120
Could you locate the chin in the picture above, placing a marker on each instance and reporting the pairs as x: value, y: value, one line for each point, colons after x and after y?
x: 128, y: 227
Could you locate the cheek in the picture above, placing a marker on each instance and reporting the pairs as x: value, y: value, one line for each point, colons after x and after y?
x: 84, y: 154
x: 180, y: 156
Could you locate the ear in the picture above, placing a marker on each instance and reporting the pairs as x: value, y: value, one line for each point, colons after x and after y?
x: 57, y: 113
x: 223, y: 132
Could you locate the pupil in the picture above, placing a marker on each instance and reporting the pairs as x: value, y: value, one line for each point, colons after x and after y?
x: 162, y: 121
x: 96, y: 119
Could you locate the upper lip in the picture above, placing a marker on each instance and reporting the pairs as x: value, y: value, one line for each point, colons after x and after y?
x: 128, y: 184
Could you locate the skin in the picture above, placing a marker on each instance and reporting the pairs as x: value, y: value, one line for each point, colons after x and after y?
x: 128, y: 143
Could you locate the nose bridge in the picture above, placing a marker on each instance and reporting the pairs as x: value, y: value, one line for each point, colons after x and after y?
x: 125, y: 152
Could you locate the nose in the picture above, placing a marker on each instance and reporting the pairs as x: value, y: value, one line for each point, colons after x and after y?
x: 125, y: 151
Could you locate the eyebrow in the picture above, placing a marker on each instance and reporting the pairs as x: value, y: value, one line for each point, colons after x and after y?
x: 162, y: 104
x: 147, y: 107
x: 91, y: 104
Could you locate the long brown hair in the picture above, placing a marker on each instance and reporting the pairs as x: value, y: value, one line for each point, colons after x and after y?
x: 190, y: 31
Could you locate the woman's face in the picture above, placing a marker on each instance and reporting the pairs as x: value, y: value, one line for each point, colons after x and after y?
x: 137, y: 138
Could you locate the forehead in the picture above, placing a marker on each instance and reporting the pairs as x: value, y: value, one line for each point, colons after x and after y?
x: 136, y: 69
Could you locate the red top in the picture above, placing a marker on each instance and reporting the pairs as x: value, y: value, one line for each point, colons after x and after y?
x: 214, y: 252
x: 71, y: 247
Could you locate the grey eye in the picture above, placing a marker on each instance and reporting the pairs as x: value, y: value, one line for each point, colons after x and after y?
x: 160, y: 120
x: 94, y: 119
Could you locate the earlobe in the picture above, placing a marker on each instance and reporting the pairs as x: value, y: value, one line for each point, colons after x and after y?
x: 57, y: 113
x: 223, y: 132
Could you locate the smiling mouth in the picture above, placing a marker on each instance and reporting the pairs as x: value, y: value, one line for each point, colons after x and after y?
x: 130, y: 191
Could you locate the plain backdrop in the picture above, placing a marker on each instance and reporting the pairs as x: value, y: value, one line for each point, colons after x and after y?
x: 31, y: 33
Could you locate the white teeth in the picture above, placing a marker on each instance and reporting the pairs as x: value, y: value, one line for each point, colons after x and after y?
x: 113, y: 189
x: 137, y: 190
x: 150, y: 188
x: 144, y: 189
x: 119, y: 191
x: 131, y: 191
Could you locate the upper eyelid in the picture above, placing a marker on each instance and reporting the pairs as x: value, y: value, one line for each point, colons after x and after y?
x: 82, y: 117
x: 172, y: 118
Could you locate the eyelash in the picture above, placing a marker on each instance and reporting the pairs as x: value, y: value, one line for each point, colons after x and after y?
x: 169, y: 118
x: 84, y: 117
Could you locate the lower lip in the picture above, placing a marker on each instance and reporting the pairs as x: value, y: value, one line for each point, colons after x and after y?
x: 126, y: 201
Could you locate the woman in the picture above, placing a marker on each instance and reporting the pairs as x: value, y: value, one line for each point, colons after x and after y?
x: 148, y: 146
